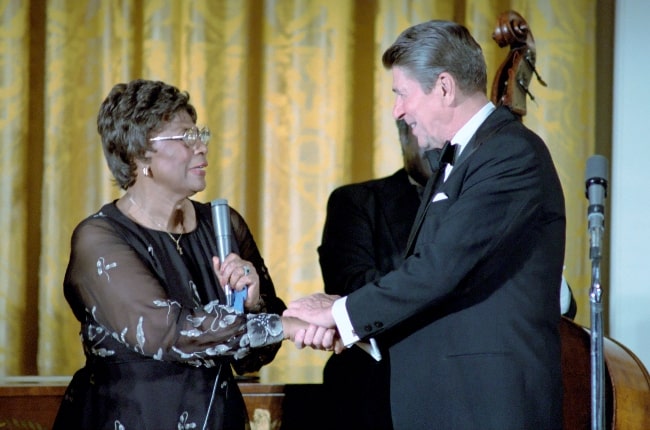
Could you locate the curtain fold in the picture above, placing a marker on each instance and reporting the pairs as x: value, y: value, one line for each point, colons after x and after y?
x: 17, y: 322
x: 298, y: 102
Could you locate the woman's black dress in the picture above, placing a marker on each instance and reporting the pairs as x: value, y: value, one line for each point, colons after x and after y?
x: 159, y: 343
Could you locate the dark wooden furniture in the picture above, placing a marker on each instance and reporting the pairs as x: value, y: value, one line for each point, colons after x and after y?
x: 32, y: 402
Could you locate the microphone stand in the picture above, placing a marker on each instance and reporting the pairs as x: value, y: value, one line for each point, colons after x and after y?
x: 597, y: 357
x: 596, y: 183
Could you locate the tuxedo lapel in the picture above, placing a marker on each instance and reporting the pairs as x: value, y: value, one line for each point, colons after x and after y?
x: 499, y: 118
x: 432, y: 184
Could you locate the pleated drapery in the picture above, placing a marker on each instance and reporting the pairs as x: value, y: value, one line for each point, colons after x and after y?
x: 298, y: 103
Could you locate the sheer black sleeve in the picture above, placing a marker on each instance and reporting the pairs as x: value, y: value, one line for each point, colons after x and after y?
x: 118, y: 298
x: 270, y: 302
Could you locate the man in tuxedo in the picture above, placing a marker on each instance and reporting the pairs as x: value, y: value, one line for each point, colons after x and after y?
x: 472, y: 312
x: 364, y: 238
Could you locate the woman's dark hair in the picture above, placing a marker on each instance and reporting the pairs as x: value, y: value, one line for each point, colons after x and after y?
x: 129, y: 115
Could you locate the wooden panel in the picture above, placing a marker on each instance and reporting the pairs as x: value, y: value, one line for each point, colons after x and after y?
x: 264, y: 404
x: 32, y: 402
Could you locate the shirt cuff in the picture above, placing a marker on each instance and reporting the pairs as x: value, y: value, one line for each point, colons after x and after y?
x: 565, y: 296
x: 343, y: 323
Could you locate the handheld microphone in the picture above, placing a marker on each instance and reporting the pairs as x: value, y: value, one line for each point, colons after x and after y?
x: 221, y: 221
x: 596, y: 190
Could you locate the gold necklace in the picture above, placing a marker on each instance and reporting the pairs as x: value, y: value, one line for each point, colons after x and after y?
x: 176, y: 241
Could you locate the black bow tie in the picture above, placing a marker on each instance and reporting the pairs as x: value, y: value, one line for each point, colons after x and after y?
x: 448, y: 154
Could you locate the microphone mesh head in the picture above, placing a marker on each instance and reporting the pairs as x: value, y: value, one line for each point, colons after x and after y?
x: 596, y: 168
x: 221, y: 217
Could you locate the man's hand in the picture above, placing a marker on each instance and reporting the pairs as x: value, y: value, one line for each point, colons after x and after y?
x: 315, y: 309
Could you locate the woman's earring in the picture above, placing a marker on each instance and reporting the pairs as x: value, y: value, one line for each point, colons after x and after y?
x: 145, y: 170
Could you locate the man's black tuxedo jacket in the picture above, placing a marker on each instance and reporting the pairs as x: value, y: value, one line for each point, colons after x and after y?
x: 364, y: 237
x: 474, y: 307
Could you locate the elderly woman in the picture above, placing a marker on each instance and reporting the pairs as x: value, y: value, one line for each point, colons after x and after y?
x: 143, y: 281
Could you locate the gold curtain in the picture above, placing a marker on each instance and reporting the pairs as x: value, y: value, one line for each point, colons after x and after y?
x: 298, y: 101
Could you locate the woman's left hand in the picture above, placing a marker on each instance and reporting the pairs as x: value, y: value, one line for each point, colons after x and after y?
x: 238, y: 274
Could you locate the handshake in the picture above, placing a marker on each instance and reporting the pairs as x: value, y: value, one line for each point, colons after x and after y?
x: 308, y: 322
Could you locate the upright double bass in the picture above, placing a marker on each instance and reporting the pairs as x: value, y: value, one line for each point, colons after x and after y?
x: 511, y: 83
x: 627, y: 383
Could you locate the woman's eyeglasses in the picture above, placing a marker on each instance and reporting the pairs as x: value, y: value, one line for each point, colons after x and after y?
x: 190, y: 138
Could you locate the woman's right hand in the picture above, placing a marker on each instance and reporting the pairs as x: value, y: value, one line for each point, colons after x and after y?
x: 303, y: 334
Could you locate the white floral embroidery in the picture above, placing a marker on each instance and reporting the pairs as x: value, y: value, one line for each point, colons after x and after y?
x: 140, y: 333
x: 218, y: 350
x: 226, y: 321
x: 94, y: 331
x: 119, y: 426
x: 167, y: 304
x: 96, y: 335
x: 123, y: 334
x: 195, y: 321
x: 158, y: 355
x: 102, y: 352
x: 211, y: 307
x: 103, y: 268
x: 121, y: 337
x: 260, y: 329
x: 183, y: 424
x: 195, y: 293
x: 181, y: 353
x: 191, y: 333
